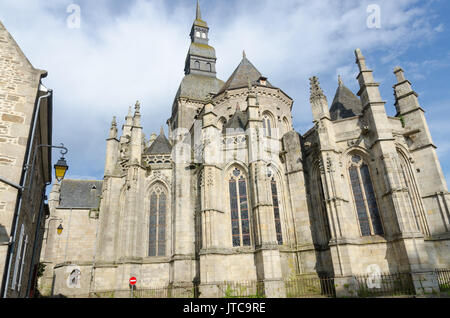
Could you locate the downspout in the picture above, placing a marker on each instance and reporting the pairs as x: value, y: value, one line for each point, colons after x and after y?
x: 35, y: 243
x: 20, y: 194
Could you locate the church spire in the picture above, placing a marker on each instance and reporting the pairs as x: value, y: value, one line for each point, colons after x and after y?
x: 201, y: 59
x: 199, y: 14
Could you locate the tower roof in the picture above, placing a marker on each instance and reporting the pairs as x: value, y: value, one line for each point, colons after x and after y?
x: 161, y: 146
x: 345, y: 103
x: 244, y: 73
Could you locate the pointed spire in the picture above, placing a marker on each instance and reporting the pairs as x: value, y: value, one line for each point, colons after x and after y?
x: 244, y: 56
x: 360, y: 60
x: 198, y: 14
x: 238, y: 108
x: 316, y: 91
x: 161, y: 133
x: 340, y: 82
x: 130, y: 112
x: 399, y: 74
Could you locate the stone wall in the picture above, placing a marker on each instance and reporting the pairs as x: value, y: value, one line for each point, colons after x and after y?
x: 19, y: 83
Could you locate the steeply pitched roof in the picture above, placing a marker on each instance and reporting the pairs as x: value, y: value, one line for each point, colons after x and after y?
x: 244, y: 72
x: 237, y: 122
x: 161, y: 146
x: 80, y: 194
x: 345, y: 104
x: 198, y: 87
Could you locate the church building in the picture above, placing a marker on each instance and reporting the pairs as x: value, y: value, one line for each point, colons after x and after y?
x: 233, y: 193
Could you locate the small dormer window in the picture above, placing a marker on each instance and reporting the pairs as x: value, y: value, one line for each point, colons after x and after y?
x: 204, y: 35
x: 197, y: 34
x: 262, y: 81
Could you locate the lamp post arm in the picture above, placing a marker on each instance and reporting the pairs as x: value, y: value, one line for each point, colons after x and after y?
x: 63, y: 152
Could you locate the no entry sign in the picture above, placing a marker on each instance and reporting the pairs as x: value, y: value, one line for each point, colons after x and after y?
x: 133, y: 281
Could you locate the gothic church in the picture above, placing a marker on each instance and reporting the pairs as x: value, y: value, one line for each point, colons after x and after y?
x: 234, y: 194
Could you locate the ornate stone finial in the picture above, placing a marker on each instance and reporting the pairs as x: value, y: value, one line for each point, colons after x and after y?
x: 316, y: 91
x: 399, y: 73
x: 162, y: 131
x: 137, y: 108
x: 198, y: 15
x: 130, y: 112
x: 340, y: 82
x: 244, y: 56
x: 238, y: 108
x: 113, y: 129
x: 360, y: 60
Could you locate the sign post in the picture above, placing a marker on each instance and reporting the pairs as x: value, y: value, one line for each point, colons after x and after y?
x: 133, y: 282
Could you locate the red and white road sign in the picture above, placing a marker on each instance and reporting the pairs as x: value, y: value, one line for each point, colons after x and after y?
x: 133, y: 281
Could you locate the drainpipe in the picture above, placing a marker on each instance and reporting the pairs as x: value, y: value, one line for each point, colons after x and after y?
x: 35, y: 243
x: 19, y: 194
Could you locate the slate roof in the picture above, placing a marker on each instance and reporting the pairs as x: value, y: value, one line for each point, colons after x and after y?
x: 198, y: 87
x: 345, y: 104
x: 237, y: 122
x: 203, y: 50
x: 80, y: 194
x: 244, y: 72
x: 161, y: 146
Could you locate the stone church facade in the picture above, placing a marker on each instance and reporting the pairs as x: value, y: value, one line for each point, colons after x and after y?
x: 235, y: 194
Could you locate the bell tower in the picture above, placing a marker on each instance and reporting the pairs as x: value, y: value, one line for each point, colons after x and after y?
x: 201, y: 58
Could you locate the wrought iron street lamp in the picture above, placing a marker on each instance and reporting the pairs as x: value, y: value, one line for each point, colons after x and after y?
x: 61, y: 168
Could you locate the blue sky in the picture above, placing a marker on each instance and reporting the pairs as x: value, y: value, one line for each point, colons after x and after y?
x: 135, y: 50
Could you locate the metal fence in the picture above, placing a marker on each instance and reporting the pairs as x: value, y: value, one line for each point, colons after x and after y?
x: 381, y: 285
x: 443, y: 277
x: 160, y: 292
x: 310, y: 287
x: 384, y: 285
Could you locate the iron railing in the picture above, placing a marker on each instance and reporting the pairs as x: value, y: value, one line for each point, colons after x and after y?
x: 443, y: 277
x: 310, y: 287
x: 374, y: 285
x: 379, y: 285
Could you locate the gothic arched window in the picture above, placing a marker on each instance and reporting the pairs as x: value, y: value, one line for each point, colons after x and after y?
x: 208, y: 67
x: 240, y: 220
x: 322, y: 208
x: 276, y: 208
x: 408, y: 181
x: 267, y: 125
x: 364, y: 196
x: 197, y: 65
x: 158, y: 212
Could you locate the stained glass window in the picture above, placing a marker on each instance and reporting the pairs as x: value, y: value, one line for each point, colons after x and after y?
x: 239, y: 208
x: 276, y: 211
x: 364, y: 196
x: 267, y: 126
x: 157, y: 228
x: 323, y: 209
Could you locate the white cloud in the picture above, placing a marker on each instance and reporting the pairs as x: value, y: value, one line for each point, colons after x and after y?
x: 138, y: 52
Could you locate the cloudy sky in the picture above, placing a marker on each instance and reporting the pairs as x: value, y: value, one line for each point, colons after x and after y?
x: 125, y: 51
